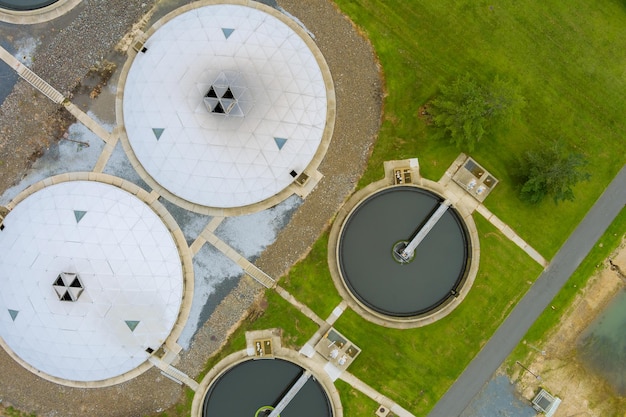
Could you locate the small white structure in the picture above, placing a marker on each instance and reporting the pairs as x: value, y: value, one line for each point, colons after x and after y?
x: 544, y: 402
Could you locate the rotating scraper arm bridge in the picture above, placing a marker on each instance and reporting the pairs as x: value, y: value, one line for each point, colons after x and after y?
x: 295, y: 388
x: 408, y: 251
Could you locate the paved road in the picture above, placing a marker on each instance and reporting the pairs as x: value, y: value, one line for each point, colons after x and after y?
x: 513, y: 329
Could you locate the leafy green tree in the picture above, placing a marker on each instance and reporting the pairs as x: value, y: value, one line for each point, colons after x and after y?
x: 551, y: 171
x: 466, y: 110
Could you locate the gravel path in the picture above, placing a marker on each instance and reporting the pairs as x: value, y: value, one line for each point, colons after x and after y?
x: 84, y: 37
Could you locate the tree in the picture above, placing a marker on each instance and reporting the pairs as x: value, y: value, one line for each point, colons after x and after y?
x: 466, y: 111
x: 551, y: 171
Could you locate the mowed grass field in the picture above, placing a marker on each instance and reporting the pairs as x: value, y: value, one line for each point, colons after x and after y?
x: 567, y: 59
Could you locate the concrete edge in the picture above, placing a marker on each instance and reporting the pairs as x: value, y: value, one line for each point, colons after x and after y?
x: 45, y: 14
x: 278, y: 352
x: 364, y: 311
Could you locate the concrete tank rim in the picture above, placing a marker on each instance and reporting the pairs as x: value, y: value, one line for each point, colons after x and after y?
x: 386, y: 320
x: 426, y: 273
x: 183, y: 252
x: 281, y: 195
x: 38, y: 15
x: 236, y: 358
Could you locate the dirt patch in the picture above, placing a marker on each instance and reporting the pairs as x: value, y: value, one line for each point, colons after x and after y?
x: 424, y: 114
x: 583, y: 392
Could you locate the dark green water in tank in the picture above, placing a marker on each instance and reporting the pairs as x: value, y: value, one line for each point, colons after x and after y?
x: 250, y: 385
x: 602, y: 346
x: 376, y: 278
x: 25, y: 4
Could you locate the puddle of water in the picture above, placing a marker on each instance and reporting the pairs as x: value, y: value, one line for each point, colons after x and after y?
x: 97, y: 90
x: 26, y: 48
x: 602, y: 346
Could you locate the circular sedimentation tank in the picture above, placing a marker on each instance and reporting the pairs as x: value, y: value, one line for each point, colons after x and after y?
x: 253, y: 388
x: 415, y: 284
x: 24, y: 5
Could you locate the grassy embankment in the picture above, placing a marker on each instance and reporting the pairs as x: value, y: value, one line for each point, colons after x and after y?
x: 550, y: 319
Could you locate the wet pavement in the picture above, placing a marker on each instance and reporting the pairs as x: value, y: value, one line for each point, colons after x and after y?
x: 499, y: 398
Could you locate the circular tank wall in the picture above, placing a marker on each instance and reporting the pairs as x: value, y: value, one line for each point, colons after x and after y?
x: 253, y: 387
x: 387, y: 221
x: 25, y: 4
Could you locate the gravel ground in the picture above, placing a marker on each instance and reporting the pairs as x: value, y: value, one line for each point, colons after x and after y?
x: 69, y: 47
x: 29, y: 122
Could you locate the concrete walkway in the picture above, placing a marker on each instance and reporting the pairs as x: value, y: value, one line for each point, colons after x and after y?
x: 357, y: 384
x: 511, y: 235
x: 303, y: 308
x: 90, y: 123
x: 459, y: 196
x: 46, y: 89
x: 549, y: 283
x: 173, y: 373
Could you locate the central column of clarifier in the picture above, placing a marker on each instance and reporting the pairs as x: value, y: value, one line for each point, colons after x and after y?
x: 408, y: 252
x: 295, y: 388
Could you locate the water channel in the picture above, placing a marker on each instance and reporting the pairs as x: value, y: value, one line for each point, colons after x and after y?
x: 602, y: 346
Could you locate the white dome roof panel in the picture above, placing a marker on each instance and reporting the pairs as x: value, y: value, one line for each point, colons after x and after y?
x: 275, y: 80
x: 128, y: 266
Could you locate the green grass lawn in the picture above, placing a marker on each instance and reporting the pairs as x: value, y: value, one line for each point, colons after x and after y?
x: 567, y: 58
x: 355, y: 403
x: 311, y: 282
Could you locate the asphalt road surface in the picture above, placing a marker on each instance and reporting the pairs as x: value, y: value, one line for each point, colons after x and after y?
x: 549, y: 283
